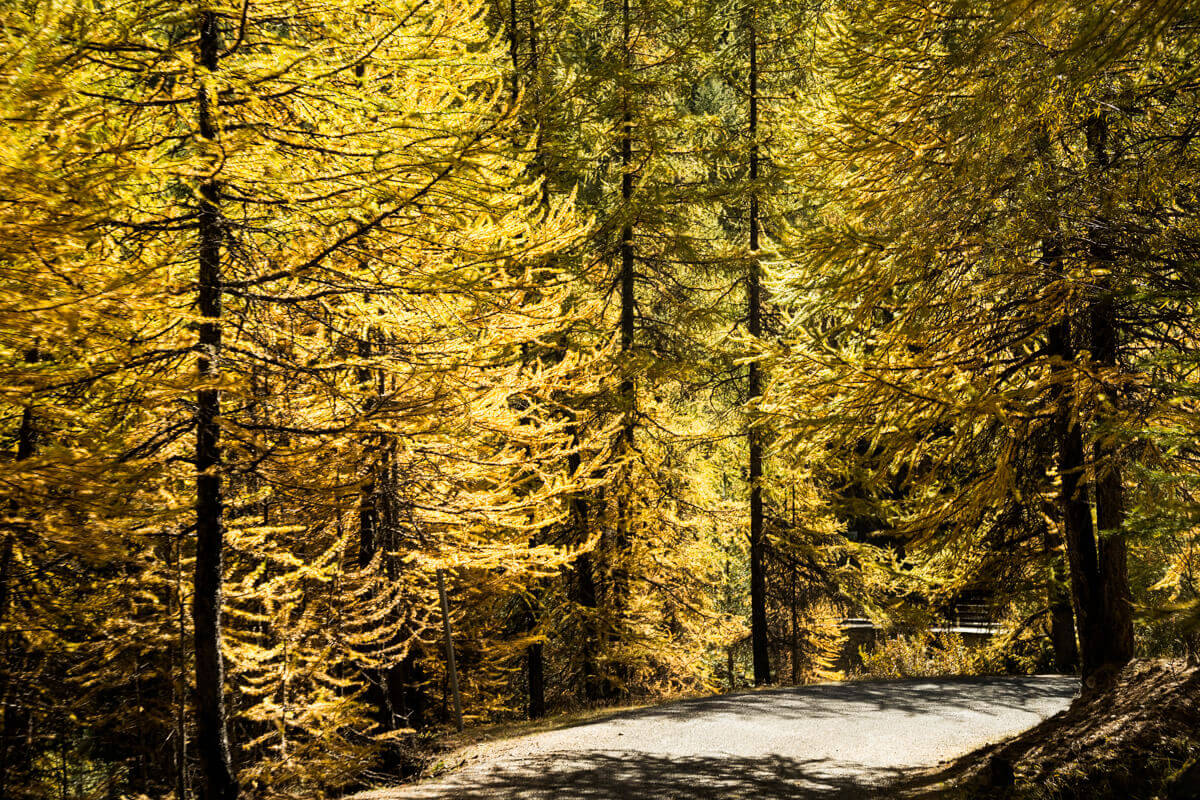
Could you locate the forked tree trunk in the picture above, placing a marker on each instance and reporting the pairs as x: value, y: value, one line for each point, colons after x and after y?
x: 1087, y: 589
x: 1099, y: 586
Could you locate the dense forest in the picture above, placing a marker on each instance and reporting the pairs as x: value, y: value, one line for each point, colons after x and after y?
x: 604, y: 350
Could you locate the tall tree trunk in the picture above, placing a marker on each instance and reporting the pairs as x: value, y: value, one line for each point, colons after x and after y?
x: 627, y: 272
x: 535, y: 680
x: 27, y: 435
x: 1086, y: 586
x: 212, y: 742
x: 758, y: 585
x: 1110, y: 507
x: 619, y: 577
x: 1110, y: 495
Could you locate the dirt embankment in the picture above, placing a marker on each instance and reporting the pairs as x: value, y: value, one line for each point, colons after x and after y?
x: 1138, y: 740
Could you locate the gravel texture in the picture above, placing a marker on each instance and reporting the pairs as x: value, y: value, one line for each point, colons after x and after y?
x: 846, y: 740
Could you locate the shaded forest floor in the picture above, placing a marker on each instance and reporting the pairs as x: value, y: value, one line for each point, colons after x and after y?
x: 1139, y: 740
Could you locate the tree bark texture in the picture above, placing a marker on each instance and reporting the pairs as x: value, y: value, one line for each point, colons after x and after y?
x: 1105, y: 345
x: 212, y: 743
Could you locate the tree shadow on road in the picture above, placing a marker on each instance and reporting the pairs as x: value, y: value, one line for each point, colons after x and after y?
x: 587, y: 766
x: 916, y: 696
x: 624, y: 775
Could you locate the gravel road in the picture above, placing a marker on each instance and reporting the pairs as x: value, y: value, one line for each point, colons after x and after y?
x: 844, y: 741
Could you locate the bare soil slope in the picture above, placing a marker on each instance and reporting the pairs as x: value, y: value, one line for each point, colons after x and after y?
x: 1139, y: 739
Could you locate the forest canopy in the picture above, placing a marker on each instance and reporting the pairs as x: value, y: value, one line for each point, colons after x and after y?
x: 602, y: 350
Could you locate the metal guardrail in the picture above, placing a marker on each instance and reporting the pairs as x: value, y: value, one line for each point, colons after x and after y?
x: 965, y: 618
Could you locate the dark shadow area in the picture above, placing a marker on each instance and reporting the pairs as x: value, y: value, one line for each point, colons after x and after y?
x: 825, y: 701
x: 622, y: 775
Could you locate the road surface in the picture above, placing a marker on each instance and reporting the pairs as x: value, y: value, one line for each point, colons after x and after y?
x: 845, y: 741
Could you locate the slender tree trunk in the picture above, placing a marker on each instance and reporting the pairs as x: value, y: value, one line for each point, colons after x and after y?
x: 377, y: 694
x: 535, y: 682
x: 448, y: 641
x: 1110, y: 509
x: 27, y: 437
x: 1058, y: 601
x: 627, y: 271
x: 6, y: 559
x: 758, y: 585
x: 387, y: 690
x: 11, y: 717
x: 514, y: 51
x: 584, y: 583
x: 795, y: 633
x: 535, y: 670
x: 403, y: 681
x: 368, y: 499
x: 628, y: 390
x: 367, y: 518
x: 532, y: 607
x: 180, y: 684
x: 212, y: 741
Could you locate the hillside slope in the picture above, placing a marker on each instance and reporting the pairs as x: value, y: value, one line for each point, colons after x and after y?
x: 1139, y: 739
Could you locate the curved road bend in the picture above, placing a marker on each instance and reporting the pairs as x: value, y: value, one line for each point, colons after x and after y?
x: 845, y: 740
